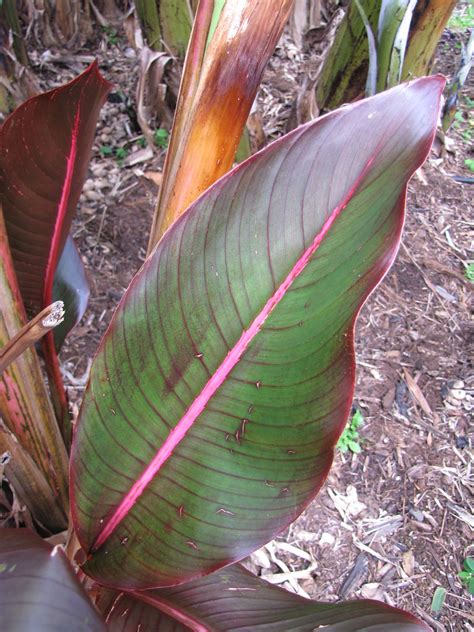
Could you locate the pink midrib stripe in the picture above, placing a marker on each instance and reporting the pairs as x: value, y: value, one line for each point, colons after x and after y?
x: 62, y: 210
x: 218, y: 378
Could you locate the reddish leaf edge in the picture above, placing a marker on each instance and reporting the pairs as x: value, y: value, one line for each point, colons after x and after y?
x: 177, y: 434
x: 49, y: 345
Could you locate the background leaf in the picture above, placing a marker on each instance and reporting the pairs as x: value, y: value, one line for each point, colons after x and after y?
x: 227, y: 373
x: 234, y: 600
x: 44, y: 153
x: 38, y: 589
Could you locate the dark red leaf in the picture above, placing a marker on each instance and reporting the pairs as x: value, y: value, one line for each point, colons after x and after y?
x: 45, y: 147
x: 38, y: 589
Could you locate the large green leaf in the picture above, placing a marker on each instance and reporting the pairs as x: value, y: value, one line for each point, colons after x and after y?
x: 227, y: 373
x: 234, y: 600
x: 38, y: 589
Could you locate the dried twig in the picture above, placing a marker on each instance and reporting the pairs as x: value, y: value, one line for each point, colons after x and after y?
x: 33, y: 331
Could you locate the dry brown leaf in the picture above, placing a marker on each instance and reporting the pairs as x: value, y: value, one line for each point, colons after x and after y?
x: 151, y: 92
x: 154, y: 176
x: 417, y: 394
x: 408, y: 562
x: 139, y: 156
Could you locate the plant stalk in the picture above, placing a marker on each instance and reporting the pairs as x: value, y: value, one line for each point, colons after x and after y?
x: 25, y: 407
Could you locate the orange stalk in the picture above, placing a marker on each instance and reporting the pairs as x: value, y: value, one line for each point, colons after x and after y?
x: 210, y: 127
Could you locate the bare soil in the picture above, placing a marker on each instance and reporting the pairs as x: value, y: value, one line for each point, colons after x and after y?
x: 394, y: 521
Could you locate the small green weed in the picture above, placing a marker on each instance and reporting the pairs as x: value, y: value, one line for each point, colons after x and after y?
x: 467, y: 575
x: 141, y: 142
x: 462, y: 19
x: 161, y: 137
x: 350, y: 438
x: 458, y: 119
x: 121, y: 153
x: 469, y: 162
x: 469, y: 272
x: 469, y: 102
x: 111, y: 34
x: 105, y: 150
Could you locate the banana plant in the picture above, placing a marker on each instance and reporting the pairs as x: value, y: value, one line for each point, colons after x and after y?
x: 406, y: 34
x: 221, y: 387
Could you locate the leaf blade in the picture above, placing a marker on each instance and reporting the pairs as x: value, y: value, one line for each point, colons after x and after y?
x: 45, y: 146
x: 39, y: 188
x: 234, y: 600
x: 38, y: 589
x: 175, y: 499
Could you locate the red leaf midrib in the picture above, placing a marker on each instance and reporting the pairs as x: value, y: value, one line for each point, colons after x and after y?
x: 220, y: 375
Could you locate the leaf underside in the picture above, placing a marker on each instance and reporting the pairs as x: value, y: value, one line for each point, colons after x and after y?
x: 227, y: 374
x: 234, y: 600
x: 44, y: 153
x: 70, y: 286
x: 38, y: 589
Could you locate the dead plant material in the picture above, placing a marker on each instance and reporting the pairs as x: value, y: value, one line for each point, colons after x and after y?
x: 45, y: 321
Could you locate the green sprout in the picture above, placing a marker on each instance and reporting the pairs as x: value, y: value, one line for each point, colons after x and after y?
x: 161, y: 138
x: 469, y: 162
x: 350, y: 438
x: 469, y: 102
x: 469, y: 272
x: 467, y: 575
x: 438, y: 600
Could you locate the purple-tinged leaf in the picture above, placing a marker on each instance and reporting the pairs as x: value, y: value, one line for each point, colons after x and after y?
x: 234, y: 600
x: 38, y: 589
x: 71, y: 287
x: 45, y: 147
x: 227, y: 374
